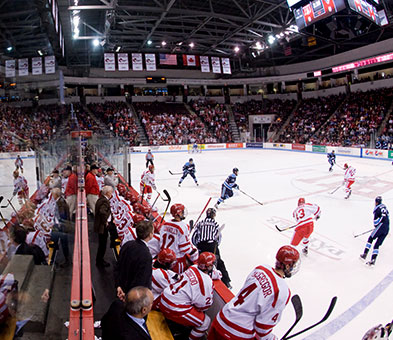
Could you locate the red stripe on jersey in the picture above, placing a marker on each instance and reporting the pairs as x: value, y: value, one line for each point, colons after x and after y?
x: 156, y: 282
x: 274, y: 283
x: 303, y: 223
x: 184, y: 245
x: 234, y: 326
x: 169, y: 302
x: 35, y: 236
x: 222, y: 330
x: 200, y: 280
x: 263, y: 326
x: 289, y: 296
x: 263, y: 334
x: 165, y: 274
x: 175, y: 226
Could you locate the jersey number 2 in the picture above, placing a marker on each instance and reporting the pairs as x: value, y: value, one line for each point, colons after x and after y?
x: 244, y: 293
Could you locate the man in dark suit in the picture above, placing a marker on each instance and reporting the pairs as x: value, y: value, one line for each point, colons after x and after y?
x: 126, y: 321
x: 18, y: 236
x: 102, y: 218
x: 61, y: 226
x: 134, y: 267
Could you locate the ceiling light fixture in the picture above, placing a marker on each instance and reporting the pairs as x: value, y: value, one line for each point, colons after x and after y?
x: 236, y: 49
x: 149, y: 42
x: 40, y: 53
x: 191, y: 44
x: 9, y: 49
x: 118, y: 48
x: 163, y: 43
x: 96, y: 42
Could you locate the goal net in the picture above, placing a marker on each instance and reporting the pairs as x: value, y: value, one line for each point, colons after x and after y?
x: 192, y: 148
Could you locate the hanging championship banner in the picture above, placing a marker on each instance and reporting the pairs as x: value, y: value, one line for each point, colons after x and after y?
x: 205, y: 66
x: 226, y: 66
x: 216, y: 65
x: 150, y: 62
x: 36, y: 65
x: 10, y: 68
x: 109, y: 61
x: 23, y: 66
x: 50, y: 64
x: 122, y: 61
x: 137, y: 64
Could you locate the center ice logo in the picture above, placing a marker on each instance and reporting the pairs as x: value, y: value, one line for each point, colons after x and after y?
x: 318, y: 243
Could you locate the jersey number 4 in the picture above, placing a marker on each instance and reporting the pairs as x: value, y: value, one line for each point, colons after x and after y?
x: 244, y: 293
x: 170, y: 238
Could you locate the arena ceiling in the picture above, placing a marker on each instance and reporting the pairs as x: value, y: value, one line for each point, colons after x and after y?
x: 214, y: 27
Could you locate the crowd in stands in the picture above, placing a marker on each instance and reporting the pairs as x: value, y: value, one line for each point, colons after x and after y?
x: 311, y: 114
x: 118, y: 117
x: 215, y: 117
x: 170, y: 124
x: 360, y: 115
x: 280, y: 108
x: 28, y: 127
x: 385, y: 141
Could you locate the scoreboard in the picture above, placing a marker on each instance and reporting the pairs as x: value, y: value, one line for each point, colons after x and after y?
x: 366, y: 9
x: 316, y: 10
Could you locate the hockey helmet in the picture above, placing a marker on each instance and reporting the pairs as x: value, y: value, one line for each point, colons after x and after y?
x: 235, y: 171
x: 138, y: 218
x: 206, y: 260
x: 132, y: 197
x: 122, y: 189
x: 211, y: 213
x: 166, y: 256
x: 288, y: 256
x: 378, y: 200
x: 16, y: 174
x: 301, y: 201
x: 151, y: 168
x: 179, y: 210
x: 345, y: 166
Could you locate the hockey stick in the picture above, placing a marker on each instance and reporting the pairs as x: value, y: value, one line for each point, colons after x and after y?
x: 175, y: 173
x: 286, y: 228
x: 332, y: 192
x: 297, y: 305
x: 329, y: 311
x: 168, y: 198
x: 9, y: 202
x: 250, y: 197
x: 208, y: 201
x: 143, y: 192
x: 366, y: 232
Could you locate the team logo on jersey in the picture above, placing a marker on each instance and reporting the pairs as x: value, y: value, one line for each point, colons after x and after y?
x: 318, y: 242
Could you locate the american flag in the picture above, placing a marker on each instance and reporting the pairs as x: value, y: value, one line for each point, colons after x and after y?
x: 168, y: 59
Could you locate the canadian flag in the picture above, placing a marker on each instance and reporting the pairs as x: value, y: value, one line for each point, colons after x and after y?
x: 190, y: 60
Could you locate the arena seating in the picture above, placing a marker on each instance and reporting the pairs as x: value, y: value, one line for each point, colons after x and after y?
x: 309, y: 117
x: 385, y: 141
x: 360, y: 115
x: 170, y: 123
x: 118, y: 117
x: 26, y: 128
x: 215, y: 117
x: 280, y: 108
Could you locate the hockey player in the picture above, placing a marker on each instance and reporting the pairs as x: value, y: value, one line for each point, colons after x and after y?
x: 185, y: 301
x: 304, y: 215
x: 162, y: 275
x: 207, y: 237
x: 188, y: 169
x: 149, y: 158
x: 19, y: 163
x: 257, y: 308
x: 381, y: 224
x: 349, y: 179
x: 21, y: 188
x: 227, y: 187
x: 148, y: 183
x: 175, y: 236
x: 331, y: 159
x: 195, y: 147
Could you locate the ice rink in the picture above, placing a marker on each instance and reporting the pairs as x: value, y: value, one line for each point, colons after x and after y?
x: 278, y: 179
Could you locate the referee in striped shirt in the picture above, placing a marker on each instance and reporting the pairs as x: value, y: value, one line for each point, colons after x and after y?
x: 207, y: 237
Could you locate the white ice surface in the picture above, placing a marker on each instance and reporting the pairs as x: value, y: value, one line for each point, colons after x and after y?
x: 7, y: 167
x: 278, y: 179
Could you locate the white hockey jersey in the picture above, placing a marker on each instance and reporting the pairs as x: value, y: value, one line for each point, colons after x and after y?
x: 306, y: 213
x: 175, y: 236
x: 349, y: 174
x: 148, y: 179
x: 100, y: 182
x: 38, y: 238
x: 193, y: 289
x: 154, y: 245
x: 161, y: 279
x: 64, y: 182
x: 20, y: 185
x: 257, y: 308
